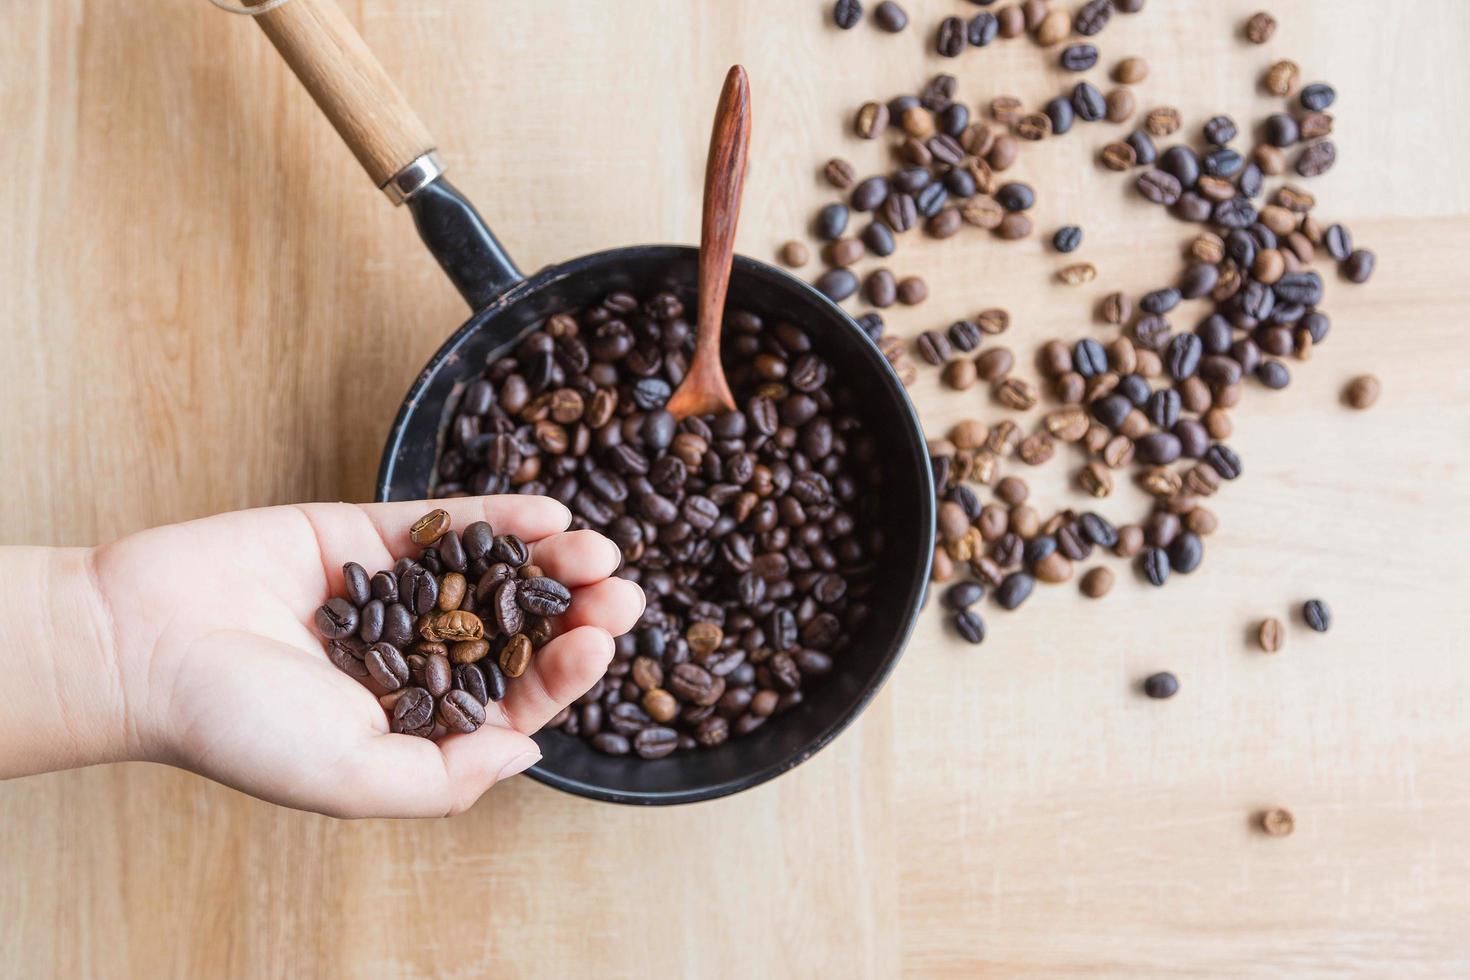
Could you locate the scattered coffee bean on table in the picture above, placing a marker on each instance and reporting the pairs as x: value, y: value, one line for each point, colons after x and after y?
x: 1317, y: 615
x: 1271, y: 635
x: 752, y: 532
x: 1161, y: 685
x: 1277, y: 822
x: 1362, y: 392
x: 434, y: 647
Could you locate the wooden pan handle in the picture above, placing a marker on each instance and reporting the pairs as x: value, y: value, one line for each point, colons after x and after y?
x: 351, y: 88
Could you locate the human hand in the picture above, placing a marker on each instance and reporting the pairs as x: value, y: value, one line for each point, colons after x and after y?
x: 222, y: 674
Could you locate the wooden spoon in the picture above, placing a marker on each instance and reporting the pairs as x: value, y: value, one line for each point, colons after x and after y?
x: 704, y: 390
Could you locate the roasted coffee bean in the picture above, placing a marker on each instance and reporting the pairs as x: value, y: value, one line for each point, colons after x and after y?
x: 1362, y: 392
x: 951, y: 39
x: 1015, y: 196
x: 1078, y: 57
x: 831, y: 222
x: 870, y: 194
x: 881, y: 289
x: 1092, y: 17
x: 982, y: 29
x: 460, y: 712
x: 1155, y: 564
x: 963, y: 595
x: 336, y: 619
x: 1160, y: 187
x: 1060, y: 115
x: 892, y: 18
x: 386, y: 666
x: 1316, y: 615
x: 1144, y: 152
x: 346, y: 655
x: 413, y: 712
x: 1120, y: 105
x: 1160, y: 686
x: 1316, y: 97
x: 970, y: 626
x: 1317, y: 159
x: 837, y: 284
x: 1271, y: 635
x: 1186, y: 552
x: 846, y: 13
x: 1088, y: 103
x: 429, y: 528
x: 1260, y: 27
x: 359, y: 588
x: 1359, y: 265
x: 1067, y: 238
x: 657, y: 742
x: 1014, y: 589
x: 548, y: 597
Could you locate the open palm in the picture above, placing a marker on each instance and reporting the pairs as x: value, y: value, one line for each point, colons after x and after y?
x: 222, y: 674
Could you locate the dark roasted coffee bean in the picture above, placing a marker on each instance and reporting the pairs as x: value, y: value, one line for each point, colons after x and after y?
x: 413, y: 712
x: 1282, y: 130
x: 1078, y: 57
x: 1161, y: 686
x: 1339, y: 242
x: 1088, y: 103
x: 1014, y: 590
x: 964, y: 335
x: 900, y: 212
x: 1159, y: 301
x: 386, y: 666
x: 1098, y: 530
x: 1144, y: 152
x: 460, y: 712
x: 951, y: 39
x: 1317, y: 615
x: 963, y: 595
x: 1359, y: 265
x: 1155, y: 565
x: 545, y: 596
x: 1182, y: 356
x: 1186, y: 552
x: 1220, y: 130
x: 359, y: 588
x: 347, y: 656
x: 1157, y: 448
x: 1183, y: 163
x: 1160, y: 187
x: 878, y: 239
x: 1089, y: 359
x: 656, y: 742
x: 1067, y: 238
x: 970, y: 626
x: 837, y: 284
x: 509, y: 549
x: 1222, y: 460
x: 336, y: 619
x: 1273, y: 374
x: 1222, y: 162
x: 846, y: 13
x: 1317, y: 97
x: 982, y: 29
x: 1015, y: 196
x: 1061, y: 114
x: 1163, y: 407
x: 1092, y: 17
x: 930, y: 201
x: 831, y: 222
x: 870, y: 194
x: 892, y: 18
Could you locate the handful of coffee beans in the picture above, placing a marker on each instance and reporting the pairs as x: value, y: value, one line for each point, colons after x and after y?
x: 437, y: 637
x: 753, y: 533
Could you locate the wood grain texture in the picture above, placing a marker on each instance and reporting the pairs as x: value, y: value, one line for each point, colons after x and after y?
x: 207, y: 308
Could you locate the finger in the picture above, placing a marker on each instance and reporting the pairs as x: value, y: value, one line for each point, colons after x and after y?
x: 375, y: 535
x: 560, y: 673
x: 527, y: 516
x: 577, y: 558
x: 614, y: 604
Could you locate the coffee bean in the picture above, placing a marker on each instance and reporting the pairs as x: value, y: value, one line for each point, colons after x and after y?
x: 1359, y: 265
x: 831, y: 222
x: 892, y: 18
x: 1161, y: 685
x: 1092, y: 17
x: 846, y: 13
x: 1160, y: 187
x: 970, y: 626
x: 1271, y: 635
x: 429, y: 528
x: 837, y: 284
x: 1318, y: 96
x: 912, y: 291
x: 1317, y: 615
x: 982, y: 29
x: 336, y: 619
x: 1277, y: 822
x: 1078, y: 57
x: 1163, y: 121
x: 1014, y: 589
x: 1097, y: 583
x: 1260, y: 27
x: 951, y: 39
x: 1317, y: 159
x: 1088, y: 103
x: 1155, y: 566
x: 1144, y: 151
x: 1362, y: 392
x: 1067, y: 238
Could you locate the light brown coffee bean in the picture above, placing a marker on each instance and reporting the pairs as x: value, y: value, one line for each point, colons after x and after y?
x: 1097, y: 583
x: 1280, y: 78
x: 1271, y: 635
x: 1120, y: 105
x: 1131, y: 71
x: 429, y: 528
x: 1259, y: 28
x: 1163, y: 121
x: 1362, y: 392
x: 795, y: 255
x: 1277, y: 822
x: 994, y: 364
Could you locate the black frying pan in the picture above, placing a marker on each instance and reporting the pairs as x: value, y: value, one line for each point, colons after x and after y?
x: 395, y: 149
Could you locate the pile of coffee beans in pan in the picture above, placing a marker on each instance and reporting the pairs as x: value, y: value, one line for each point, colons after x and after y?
x: 438, y: 636
x: 751, y: 532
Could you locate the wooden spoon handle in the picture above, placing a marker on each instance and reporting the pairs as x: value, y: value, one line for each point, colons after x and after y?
x: 724, y: 181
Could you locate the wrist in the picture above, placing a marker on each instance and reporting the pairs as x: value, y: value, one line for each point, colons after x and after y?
x: 68, y: 697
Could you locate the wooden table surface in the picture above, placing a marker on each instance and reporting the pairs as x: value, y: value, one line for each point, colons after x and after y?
x: 208, y: 307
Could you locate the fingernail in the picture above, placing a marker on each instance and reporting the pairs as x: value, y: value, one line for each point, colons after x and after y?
x: 519, y: 765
